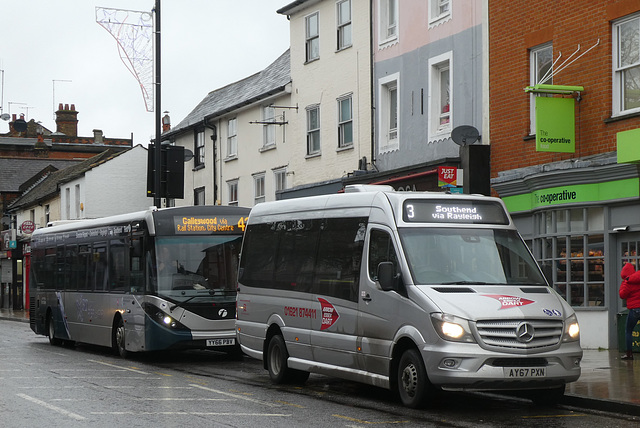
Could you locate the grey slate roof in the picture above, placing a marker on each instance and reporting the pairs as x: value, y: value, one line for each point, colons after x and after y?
x: 48, y: 186
x: 14, y: 172
x: 263, y: 84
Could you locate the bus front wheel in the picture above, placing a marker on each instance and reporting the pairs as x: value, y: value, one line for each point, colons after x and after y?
x: 119, y: 342
x: 412, y: 380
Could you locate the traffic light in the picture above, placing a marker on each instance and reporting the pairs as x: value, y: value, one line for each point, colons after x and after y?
x: 171, y: 172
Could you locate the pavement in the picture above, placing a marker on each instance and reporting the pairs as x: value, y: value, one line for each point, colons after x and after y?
x: 607, y: 383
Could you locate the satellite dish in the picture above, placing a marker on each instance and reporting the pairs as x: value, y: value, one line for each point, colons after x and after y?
x: 5, y: 116
x: 464, y: 135
x: 20, y: 125
x: 188, y: 155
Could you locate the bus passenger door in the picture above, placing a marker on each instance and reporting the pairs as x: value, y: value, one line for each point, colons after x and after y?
x: 336, y: 287
x: 380, y: 312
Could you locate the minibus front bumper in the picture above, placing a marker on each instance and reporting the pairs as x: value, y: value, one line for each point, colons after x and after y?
x: 468, y: 366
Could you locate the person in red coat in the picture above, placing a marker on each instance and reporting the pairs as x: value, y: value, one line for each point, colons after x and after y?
x: 630, y: 290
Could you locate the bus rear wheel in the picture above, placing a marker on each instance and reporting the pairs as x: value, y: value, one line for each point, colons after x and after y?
x: 277, y: 356
x: 52, y: 331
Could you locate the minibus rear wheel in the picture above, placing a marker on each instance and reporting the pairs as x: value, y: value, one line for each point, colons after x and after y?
x: 412, y: 380
x: 277, y: 356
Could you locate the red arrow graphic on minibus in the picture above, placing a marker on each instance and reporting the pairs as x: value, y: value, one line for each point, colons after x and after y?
x: 509, y: 301
x: 329, y: 314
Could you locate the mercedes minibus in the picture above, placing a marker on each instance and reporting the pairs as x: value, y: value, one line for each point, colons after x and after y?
x: 410, y: 291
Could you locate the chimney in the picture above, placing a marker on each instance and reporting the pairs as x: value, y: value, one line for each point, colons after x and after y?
x: 67, y: 120
x: 166, y: 122
x: 98, y: 137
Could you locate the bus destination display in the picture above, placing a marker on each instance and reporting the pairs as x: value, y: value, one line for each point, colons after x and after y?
x: 209, y: 224
x: 447, y: 211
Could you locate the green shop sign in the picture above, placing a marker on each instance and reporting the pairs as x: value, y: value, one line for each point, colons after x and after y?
x: 555, y: 125
x: 579, y: 193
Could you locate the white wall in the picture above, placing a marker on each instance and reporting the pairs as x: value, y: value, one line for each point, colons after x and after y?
x: 116, y: 186
x: 593, y: 331
x: 323, y: 81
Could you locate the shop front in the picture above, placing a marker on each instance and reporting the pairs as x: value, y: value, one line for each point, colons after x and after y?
x: 581, y: 219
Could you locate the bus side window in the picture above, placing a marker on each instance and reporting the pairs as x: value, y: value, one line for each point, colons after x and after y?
x: 118, y: 269
x: 100, y: 268
x: 380, y: 250
x: 59, y: 279
x: 85, y: 279
x: 137, y: 266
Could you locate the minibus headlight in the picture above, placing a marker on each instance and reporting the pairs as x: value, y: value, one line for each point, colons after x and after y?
x: 450, y: 327
x: 571, y: 329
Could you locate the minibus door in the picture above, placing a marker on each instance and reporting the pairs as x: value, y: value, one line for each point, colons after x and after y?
x: 380, y: 312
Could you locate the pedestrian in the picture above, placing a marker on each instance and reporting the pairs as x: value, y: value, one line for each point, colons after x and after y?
x: 630, y: 290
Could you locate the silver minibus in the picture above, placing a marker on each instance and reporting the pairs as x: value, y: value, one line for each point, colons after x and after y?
x: 410, y: 291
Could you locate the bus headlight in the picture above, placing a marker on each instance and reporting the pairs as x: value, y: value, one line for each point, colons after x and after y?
x: 162, y: 318
x: 571, y: 329
x: 452, y: 328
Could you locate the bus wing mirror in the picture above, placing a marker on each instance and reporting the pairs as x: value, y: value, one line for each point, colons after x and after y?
x: 387, y: 276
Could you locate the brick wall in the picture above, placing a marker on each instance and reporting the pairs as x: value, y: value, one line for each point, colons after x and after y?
x: 516, y: 27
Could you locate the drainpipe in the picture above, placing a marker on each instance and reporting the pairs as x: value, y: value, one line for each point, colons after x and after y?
x: 373, y: 89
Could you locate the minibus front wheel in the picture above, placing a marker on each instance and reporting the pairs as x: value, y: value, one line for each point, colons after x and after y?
x: 413, y: 383
x: 277, y: 357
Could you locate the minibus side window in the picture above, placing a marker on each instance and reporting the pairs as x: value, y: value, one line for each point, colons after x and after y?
x: 339, y: 257
x: 257, y: 262
x: 296, y: 254
x: 380, y: 250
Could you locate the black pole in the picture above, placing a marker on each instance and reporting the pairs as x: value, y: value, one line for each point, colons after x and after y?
x: 158, y: 143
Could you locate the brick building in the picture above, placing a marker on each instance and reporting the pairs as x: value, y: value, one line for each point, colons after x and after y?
x: 570, y: 176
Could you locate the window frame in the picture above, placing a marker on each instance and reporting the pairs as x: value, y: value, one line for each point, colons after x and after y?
x: 619, y: 71
x: 534, y: 78
x: 259, y: 185
x: 280, y: 179
x: 268, y: 129
x: 199, y: 196
x: 313, y: 134
x: 344, y: 123
x: 389, y: 136
x: 198, y: 148
x: 312, y: 40
x: 232, y: 189
x: 387, y: 31
x: 344, y: 26
x: 436, y: 13
x: 438, y: 65
x: 232, y: 138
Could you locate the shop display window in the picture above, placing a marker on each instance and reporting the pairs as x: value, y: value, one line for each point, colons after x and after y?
x: 571, y: 241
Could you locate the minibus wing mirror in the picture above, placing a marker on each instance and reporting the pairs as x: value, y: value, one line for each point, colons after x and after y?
x: 387, y: 276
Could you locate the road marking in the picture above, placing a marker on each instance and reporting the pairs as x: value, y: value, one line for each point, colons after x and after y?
x: 194, y: 413
x: 241, y: 397
x: 290, y: 404
x: 51, y: 407
x: 119, y: 367
x: 360, y: 421
x: 553, y: 416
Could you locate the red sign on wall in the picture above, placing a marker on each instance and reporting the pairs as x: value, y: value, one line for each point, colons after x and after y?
x: 28, y: 226
x: 447, y: 176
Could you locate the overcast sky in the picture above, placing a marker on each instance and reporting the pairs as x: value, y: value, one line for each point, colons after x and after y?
x: 54, y: 51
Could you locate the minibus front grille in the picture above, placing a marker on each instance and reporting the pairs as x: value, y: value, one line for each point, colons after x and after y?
x: 519, y: 334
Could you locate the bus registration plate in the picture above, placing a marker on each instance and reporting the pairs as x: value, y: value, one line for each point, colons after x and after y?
x: 525, y: 372
x: 221, y: 342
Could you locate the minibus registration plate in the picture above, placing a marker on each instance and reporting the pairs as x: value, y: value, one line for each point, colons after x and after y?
x: 524, y: 372
x: 221, y: 342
